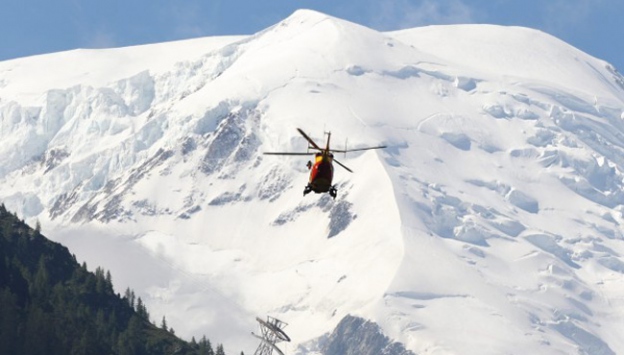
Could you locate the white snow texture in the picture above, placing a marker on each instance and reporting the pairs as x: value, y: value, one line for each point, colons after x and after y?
x: 492, y: 223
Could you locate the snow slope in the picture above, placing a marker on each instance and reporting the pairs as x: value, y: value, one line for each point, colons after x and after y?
x: 491, y: 223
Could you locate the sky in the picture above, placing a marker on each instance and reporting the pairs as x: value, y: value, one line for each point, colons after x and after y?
x: 31, y: 27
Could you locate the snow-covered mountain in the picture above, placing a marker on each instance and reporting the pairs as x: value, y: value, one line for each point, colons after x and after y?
x: 491, y: 224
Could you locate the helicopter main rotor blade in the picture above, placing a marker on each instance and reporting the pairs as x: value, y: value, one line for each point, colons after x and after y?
x: 344, y: 166
x: 356, y: 149
x: 285, y: 153
x: 309, y: 139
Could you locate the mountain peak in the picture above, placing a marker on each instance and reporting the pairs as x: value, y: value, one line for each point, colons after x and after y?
x: 307, y: 15
x: 303, y: 20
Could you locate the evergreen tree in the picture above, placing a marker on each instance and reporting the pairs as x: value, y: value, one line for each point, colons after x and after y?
x: 163, y: 324
x: 130, y: 297
x: 220, y: 350
x: 100, y: 284
x: 38, y: 227
x: 127, y: 296
x: 141, y: 310
x: 109, y: 280
x: 205, y: 348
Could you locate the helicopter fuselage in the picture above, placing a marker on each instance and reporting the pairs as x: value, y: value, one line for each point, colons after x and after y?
x: 321, y: 173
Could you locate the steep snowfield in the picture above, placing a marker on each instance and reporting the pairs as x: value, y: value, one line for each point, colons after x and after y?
x: 491, y: 224
x: 33, y: 76
x: 497, y: 50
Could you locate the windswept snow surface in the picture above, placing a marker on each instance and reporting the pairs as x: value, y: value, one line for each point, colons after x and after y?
x: 491, y: 224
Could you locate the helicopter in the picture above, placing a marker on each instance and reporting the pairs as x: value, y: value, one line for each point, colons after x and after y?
x: 322, y: 170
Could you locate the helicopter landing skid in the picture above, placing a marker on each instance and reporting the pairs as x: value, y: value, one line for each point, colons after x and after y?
x: 333, y: 192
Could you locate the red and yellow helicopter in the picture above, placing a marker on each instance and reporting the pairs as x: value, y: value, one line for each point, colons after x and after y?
x: 322, y: 171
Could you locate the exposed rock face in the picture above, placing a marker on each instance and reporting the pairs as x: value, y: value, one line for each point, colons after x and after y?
x: 357, y: 336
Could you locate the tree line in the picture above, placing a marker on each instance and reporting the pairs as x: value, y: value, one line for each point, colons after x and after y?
x: 50, y: 304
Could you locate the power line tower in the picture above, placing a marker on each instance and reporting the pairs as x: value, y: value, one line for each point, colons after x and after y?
x: 272, y: 333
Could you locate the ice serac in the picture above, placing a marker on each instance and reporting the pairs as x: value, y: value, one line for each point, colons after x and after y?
x: 491, y: 223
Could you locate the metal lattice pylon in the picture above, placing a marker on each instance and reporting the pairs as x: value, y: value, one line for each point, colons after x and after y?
x: 272, y: 333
